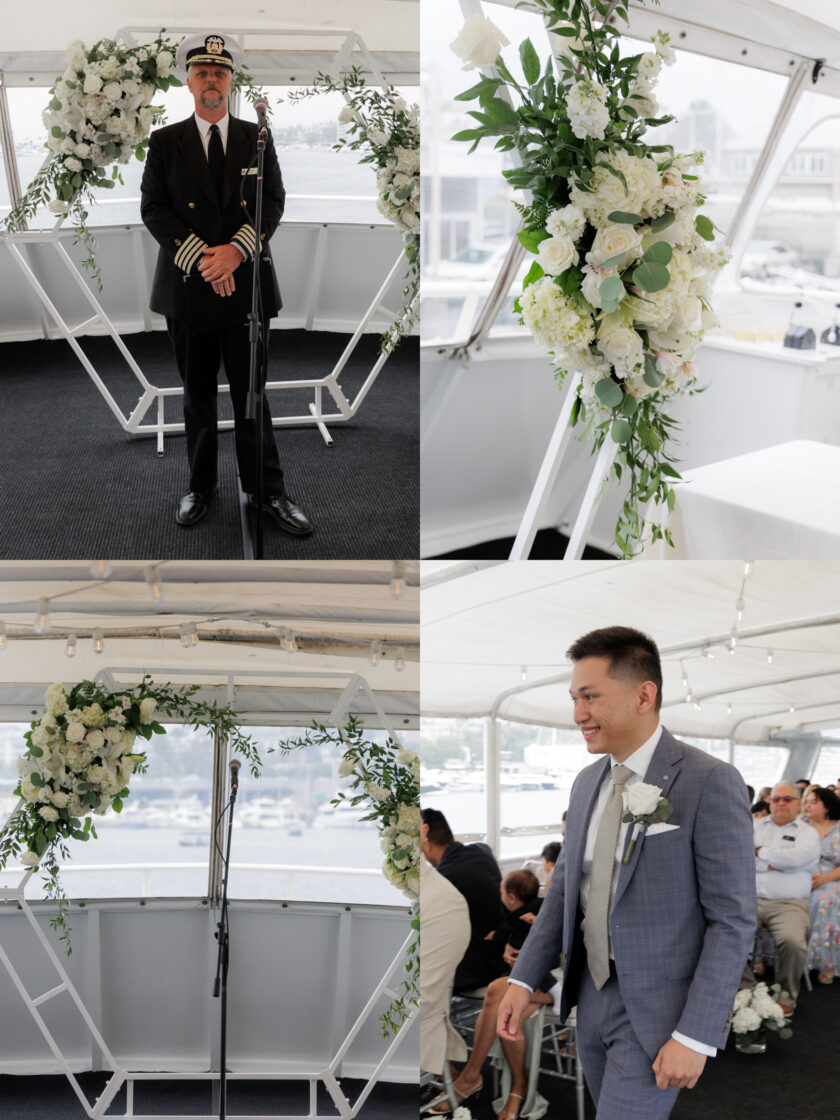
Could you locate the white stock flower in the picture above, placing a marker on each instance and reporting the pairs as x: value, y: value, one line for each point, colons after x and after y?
x: 569, y: 221
x: 556, y: 254
x: 587, y: 109
x: 56, y: 699
x: 346, y: 767
x: 641, y: 798
x: 76, y: 54
x: 478, y: 43
x: 48, y: 813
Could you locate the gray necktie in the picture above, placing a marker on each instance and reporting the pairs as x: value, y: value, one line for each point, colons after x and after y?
x: 596, y: 929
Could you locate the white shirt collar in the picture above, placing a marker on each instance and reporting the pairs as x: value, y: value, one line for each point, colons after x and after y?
x: 640, y: 759
x: 204, y: 128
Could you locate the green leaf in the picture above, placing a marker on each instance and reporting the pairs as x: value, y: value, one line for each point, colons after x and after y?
x: 40, y: 843
x: 141, y: 154
x: 608, y: 392
x: 116, y: 805
x: 629, y: 405
x: 672, y: 472
x: 611, y: 291
x: 620, y: 431
x: 568, y: 32
x: 663, y: 221
x: 469, y: 134
x: 660, y: 251
x: 704, y: 227
x: 530, y: 61
x: 483, y: 88
x: 36, y: 779
x: 59, y: 133
x: 652, y: 376
x: 622, y: 217
x: 501, y: 111
x: 531, y: 238
x: 651, y: 276
x: 569, y: 281
x: 36, y: 752
x: 613, y: 261
x: 76, y: 180
x: 575, y: 414
x: 533, y: 274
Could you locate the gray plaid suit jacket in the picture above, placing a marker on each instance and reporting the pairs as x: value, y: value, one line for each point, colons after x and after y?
x: 684, y: 910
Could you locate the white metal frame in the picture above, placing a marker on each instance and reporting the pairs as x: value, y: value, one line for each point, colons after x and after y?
x: 345, y: 409
x: 329, y: 1074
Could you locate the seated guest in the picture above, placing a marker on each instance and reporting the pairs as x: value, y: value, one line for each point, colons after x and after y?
x: 764, y: 793
x: 472, y: 868
x: 760, y: 809
x: 444, y: 936
x: 786, y: 853
x: 550, y: 855
x: 823, y: 809
x: 520, y: 897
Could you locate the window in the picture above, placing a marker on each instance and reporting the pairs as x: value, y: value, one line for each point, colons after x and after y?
x: 452, y: 772
x: 827, y: 770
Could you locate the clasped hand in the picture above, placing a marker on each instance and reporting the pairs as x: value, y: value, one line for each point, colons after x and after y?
x: 217, y: 266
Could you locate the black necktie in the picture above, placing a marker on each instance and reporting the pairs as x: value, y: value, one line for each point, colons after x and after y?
x: 216, y: 159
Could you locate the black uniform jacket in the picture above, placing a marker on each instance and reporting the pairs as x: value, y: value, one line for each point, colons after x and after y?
x: 179, y: 206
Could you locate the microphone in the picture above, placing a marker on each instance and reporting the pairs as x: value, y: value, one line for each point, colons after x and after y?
x: 235, y: 767
x: 262, y: 115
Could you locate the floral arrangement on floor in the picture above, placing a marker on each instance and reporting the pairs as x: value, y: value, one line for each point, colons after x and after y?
x: 620, y: 287
x: 100, y: 114
x: 756, y: 1010
x: 79, y: 761
x: 388, y: 131
x: 385, y: 778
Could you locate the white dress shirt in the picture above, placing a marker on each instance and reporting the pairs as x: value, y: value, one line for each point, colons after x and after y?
x: 793, y: 851
x: 204, y: 132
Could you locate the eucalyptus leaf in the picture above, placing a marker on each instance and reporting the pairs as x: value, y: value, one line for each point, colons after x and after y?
x: 624, y: 218
x: 663, y: 221
x: 629, y: 405
x: 611, y: 289
x: 609, y: 393
x: 651, y: 276
x: 621, y: 431
x: 659, y: 251
x: 704, y: 227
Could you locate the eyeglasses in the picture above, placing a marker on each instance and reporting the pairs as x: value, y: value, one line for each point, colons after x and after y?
x: 785, y: 799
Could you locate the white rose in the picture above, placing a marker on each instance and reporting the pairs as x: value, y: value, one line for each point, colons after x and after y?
x: 131, y: 86
x: 95, y: 739
x: 742, y: 999
x: 614, y: 240
x: 479, y: 43
x: 60, y: 798
x: 75, y: 732
x: 346, y: 115
x: 377, y: 137
x: 48, y: 813
x: 113, y: 734
x: 641, y: 798
x: 618, y: 342
x: 399, y: 104
x: 164, y: 64
x: 746, y: 1020
x: 113, y: 91
x: 28, y: 791
x: 29, y: 859
x: 92, y: 84
x: 556, y: 254
x: 147, y: 709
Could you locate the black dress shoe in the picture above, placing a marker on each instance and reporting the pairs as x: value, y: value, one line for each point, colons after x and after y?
x: 289, y: 516
x: 192, y: 507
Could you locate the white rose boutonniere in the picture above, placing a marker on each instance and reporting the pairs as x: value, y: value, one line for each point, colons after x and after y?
x: 643, y: 805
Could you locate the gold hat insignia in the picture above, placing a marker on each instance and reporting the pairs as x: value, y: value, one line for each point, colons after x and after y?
x: 214, y: 44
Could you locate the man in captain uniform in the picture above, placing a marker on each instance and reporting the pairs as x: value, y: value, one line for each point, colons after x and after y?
x: 190, y: 203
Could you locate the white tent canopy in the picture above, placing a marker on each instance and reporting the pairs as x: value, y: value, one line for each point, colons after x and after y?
x: 241, y: 612
x: 484, y: 625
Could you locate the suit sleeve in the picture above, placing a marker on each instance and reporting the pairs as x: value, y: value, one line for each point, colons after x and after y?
x: 724, y: 859
x: 541, y: 950
x: 182, y: 246
x: 274, y: 202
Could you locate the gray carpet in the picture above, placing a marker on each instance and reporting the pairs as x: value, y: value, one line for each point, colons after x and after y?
x: 76, y: 485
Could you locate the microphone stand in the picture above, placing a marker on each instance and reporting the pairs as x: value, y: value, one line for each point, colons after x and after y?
x: 258, y: 368
x: 223, y: 959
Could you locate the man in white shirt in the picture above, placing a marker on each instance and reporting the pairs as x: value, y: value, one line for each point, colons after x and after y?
x: 655, y: 932
x: 787, y: 851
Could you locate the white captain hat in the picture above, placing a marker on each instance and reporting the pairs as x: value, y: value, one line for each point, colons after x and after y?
x: 210, y: 49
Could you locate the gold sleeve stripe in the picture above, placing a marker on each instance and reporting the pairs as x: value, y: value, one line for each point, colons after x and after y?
x: 189, y: 253
x: 247, y: 238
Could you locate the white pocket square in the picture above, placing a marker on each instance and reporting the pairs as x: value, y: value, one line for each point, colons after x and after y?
x: 660, y: 827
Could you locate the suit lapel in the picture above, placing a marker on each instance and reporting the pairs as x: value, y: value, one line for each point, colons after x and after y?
x: 662, y: 771
x: 195, y: 157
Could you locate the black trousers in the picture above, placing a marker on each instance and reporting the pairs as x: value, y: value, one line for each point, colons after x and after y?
x: 198, y: 357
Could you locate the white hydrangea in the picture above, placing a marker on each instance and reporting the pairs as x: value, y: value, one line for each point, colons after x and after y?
x: 746, y: 1020
x: 586, y: 105
x: 554, y: 321
x: 569, y: 221
x: 406, y: 756
x: 409, y: 820
x: 48, y: 813
x: 643, y: 195
x: 56, y: 699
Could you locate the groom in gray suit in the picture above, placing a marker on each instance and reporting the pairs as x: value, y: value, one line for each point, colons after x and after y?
x: 655, y: 933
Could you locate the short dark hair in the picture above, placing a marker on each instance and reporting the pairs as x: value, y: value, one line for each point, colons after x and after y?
x: 551, y: 851
x: 630, y: 653
x: 760, y: 807
x: 802, y: 781
x: 439, y: 830
x: 524, y: 884
x: 831, y: 801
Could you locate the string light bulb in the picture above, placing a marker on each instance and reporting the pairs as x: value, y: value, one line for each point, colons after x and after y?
x: 399, y: 659
x: 733, y: 640
x: 3, y: 642
x: 100, y: 569
x: 708, y: 652
x: 740, y: 607
x: 156, y: 593
x: 70, y: 648
x: 184, y: 633
x: 398, y: 580
x: 98, y: 641
x: 769, y: 657
x: 288, y: 642
x: 375, y: 652
x: 42, y: 617
x: 192, y: 633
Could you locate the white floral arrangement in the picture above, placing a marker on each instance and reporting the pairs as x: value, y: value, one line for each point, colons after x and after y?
x: 79, y: 759
x: 100, y: 114
x: 384, y: 778
x: 756, y: 1010
x: 387, y: 130
x: 620, y: 288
